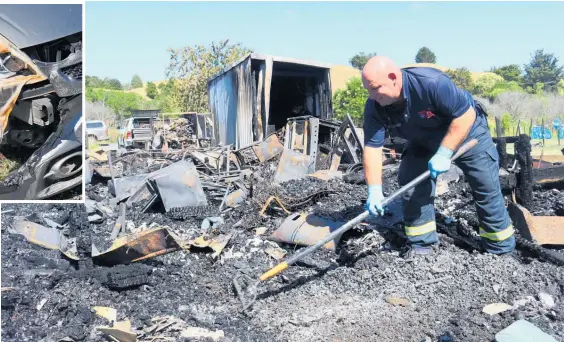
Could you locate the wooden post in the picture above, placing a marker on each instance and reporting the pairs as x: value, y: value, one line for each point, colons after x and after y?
x: 501, y: 144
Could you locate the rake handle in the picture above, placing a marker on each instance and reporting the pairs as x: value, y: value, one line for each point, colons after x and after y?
x: 358, y: 219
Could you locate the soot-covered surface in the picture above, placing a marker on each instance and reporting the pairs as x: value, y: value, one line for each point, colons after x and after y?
x: 363, y: 292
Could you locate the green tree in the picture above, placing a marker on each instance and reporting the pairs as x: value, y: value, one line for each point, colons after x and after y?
x: 425, y: 55
x: 151, y: 90
x: 543, y: 68
x: 350, y: 101
x: 462, y: 77
x: 510, y: 73
x: 136, y: 82
x: 486, y: 83
x: 169, y: 98
x: 112, y: 83
x: 94, y: 82
x: 193, y: 66
x: 359, y: 60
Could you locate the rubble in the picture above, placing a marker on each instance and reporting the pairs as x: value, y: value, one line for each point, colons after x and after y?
x: 165, y: 261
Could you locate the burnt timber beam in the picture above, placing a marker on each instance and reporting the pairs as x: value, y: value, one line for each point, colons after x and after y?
x: 525, y: 178
x: 508, y: 140
x: 549, y: 175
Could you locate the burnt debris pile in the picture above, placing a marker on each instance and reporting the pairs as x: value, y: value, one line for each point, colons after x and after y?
x: 152, y: 253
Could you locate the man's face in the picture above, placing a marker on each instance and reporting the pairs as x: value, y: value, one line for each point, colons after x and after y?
x: 383, y: 89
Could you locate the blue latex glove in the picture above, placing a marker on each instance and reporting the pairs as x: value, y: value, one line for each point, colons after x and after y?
x: 374, y: 200
x: 440, y: 162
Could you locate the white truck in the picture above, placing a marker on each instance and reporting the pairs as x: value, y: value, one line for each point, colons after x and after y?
x: 137, y: 131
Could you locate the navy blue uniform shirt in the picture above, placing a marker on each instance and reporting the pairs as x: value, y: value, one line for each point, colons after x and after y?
x: 430, y: 102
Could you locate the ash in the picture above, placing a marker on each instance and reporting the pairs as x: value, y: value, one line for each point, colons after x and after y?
x: 364, y: 291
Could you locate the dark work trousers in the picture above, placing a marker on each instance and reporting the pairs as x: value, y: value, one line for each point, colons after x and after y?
x: 481, y: 169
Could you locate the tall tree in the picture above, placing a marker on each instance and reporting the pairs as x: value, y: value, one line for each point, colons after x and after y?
x: 510, y: 73
x: 136, y: 82
x: 543, y: 68
x: 425, y: 55
x: 151, y: 90
x: 462, y: 77
x: 193, y: 66
x: 359, y: 60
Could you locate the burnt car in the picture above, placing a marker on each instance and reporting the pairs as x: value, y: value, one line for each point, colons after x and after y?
x: 41, y: 99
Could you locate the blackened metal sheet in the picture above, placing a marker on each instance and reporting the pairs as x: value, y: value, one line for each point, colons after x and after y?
x: 269, y: 148
x: 123, y: 187
x: 293, y: 165
x: 179, y: 186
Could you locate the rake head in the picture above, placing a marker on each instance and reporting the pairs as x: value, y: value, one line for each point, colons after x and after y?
x: 246, y: 289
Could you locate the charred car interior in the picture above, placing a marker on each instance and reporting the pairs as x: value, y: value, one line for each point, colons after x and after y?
x: 41, y: 104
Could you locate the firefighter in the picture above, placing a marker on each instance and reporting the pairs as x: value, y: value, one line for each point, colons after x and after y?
x: 423, y: 106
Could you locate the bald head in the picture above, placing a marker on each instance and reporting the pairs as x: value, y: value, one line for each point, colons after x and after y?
x: 383, y: 80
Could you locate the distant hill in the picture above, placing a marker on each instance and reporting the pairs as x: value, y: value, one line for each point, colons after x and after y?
x: 143, y: 91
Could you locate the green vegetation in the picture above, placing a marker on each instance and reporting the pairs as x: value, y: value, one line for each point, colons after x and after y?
x: 118, y: 101
x: 106, y: 83
x: 350, y: 101
x: 152, y: 91
x: 510, y: 73
x: 462, y: 77
x: 136, y: 82
x: 359, y: 60
x: 425, y: 55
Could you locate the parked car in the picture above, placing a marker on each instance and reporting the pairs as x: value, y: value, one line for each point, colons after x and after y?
x: 137, y: 131
x: 96, y: 129
x: 41, y: 98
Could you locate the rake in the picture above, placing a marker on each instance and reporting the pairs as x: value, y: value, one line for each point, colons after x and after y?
x: 246, y: 287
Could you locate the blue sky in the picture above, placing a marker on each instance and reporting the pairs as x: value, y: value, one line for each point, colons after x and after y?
x: 124, y: 38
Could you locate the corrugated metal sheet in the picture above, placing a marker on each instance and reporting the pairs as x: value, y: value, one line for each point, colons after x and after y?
x: 223, y: 105
x: 231, y: 105
x: 244, y: 105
